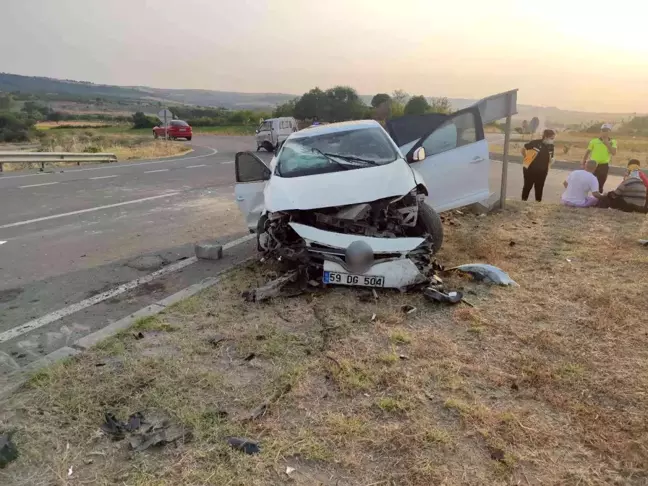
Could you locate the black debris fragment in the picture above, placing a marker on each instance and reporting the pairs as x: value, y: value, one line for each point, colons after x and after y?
x: 244, y: 445
x: 216, y: 340
x: 139, y: 335
x: 113, y: 427
x: 279, y: 287
x: 496, y: 453
x: 408, y: 309
x: 144, y: 431
x: 250, y: 357
x: 435, y: 295
x: 8, y: 450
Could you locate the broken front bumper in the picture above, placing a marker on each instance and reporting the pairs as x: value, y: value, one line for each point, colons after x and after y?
x: 390, y: 258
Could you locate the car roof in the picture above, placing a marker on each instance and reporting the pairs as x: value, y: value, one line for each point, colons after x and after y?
x: 335, y: 127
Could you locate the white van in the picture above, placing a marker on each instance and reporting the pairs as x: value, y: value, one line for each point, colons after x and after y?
x: 274, y: 131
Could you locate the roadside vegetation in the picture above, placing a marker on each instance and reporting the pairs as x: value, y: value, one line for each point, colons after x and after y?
x: 571, y: 146
x: 541, y: 384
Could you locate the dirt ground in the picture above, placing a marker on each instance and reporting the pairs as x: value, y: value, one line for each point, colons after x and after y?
x: 541, y: 384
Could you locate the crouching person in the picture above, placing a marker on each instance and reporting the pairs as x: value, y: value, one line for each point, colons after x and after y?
x: 582, y: 187
x: 630, y: 196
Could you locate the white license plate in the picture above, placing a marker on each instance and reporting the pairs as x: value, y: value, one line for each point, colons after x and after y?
x: 183, y: 129
x: 340, y: 278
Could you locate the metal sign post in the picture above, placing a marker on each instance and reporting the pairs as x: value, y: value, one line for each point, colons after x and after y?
x: 496, y: 107
x: 165, y: 115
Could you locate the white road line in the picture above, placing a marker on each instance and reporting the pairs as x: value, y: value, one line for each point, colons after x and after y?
x: 38, y: 185
x: 119, y: 165
x: 2, y: 242
x: 81, y: 211
x: 109, y: 294
x: 228, y: 162
x: 158, y: 170
x: 103, y: 177
x: 194, y: 166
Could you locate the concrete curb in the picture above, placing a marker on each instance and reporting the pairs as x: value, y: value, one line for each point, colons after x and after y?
x: 17, y: 379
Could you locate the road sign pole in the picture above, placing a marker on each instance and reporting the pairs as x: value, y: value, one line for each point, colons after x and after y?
x: 166, y: 127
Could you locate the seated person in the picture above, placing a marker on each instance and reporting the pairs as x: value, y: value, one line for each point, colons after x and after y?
x: 578, y: 186
x: 630, y: 196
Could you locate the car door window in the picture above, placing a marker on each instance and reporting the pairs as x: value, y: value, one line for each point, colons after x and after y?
x: 250, y: 169
x: 456, y: 132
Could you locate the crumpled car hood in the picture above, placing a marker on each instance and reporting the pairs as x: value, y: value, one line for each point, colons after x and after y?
x: 339, y: 188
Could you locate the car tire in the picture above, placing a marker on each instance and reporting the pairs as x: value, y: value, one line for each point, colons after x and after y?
x: 155, y: 135
x: 268, y: 146
x: 188, y: 139
x: 430, y: 222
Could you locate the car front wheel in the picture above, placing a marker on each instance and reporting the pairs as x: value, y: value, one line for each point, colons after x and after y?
x: 155, y: 135
x: 430, y: 222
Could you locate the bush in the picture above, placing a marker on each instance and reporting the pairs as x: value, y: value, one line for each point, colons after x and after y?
x: 14, y: 128
x: 92, y: 149
x: 140, y: 120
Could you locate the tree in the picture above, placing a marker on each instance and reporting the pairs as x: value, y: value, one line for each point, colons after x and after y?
x: 55, y: 116
x: 417, y: 105
x: 140, y: 120
x: 5, y: 102
x: 379, y: 99
x: 311, y: 104
x: 440, y: 105
x: 343, y: 103
x: 285, y: 109
x: 400, y: 96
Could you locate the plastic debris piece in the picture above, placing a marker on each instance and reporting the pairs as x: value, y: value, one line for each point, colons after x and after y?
x: 134, y: 421
x: 487, y: 273
x: 244, y: 445
x: 438, y: 296
x: 643, y: 242
x: 113, y: 427
x: 70, y: 471
x: 290, y: 470
x: 8, y: 450
x: 373, y: 317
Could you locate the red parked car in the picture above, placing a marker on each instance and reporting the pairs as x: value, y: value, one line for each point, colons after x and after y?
x: 177, y: 129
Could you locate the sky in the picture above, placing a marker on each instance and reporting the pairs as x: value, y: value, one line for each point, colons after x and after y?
x: 590, y: 56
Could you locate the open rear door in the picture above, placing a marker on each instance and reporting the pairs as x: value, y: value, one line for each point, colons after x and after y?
x: 252, y: 175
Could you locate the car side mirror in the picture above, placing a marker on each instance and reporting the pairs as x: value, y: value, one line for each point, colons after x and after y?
x: 418, y: 155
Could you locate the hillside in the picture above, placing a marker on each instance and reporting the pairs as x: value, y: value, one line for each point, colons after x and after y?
x: 57, y: 90
x: 62, y: 94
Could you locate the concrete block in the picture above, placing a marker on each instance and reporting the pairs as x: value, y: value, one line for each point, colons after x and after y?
x: 209, y: 250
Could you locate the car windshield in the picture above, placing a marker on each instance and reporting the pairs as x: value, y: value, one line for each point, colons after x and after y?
x: 265, y: 126
x: 179, y: 123
x: 334, y: 152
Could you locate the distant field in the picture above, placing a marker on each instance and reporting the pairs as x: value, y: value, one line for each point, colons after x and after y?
x: 47, y: 125
x: 571, y: 146
x: 226, y: 130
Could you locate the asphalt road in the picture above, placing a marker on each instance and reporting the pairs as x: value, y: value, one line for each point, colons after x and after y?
x: 70, y: 234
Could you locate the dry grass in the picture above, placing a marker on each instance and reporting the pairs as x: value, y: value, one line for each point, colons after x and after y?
x: 542, y: 384
x: 571, y: 146
x: 46, y: 125
x: 124, y: 145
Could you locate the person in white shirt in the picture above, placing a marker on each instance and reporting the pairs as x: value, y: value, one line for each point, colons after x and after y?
x: 579, y: 185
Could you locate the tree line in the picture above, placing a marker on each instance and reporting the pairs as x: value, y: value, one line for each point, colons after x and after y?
x: 342, y: 103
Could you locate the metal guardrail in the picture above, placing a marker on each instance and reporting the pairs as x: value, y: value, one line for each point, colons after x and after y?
x: 43, y: 158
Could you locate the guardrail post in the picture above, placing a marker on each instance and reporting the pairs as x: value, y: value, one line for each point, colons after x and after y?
x: 42, y: 166
x: 0, y: 166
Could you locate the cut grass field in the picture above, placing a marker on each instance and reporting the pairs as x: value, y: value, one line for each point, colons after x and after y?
x: 541, y: 384
x: 571, y: 146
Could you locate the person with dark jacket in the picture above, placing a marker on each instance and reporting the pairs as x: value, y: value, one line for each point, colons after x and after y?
x: 538, y: 157
x: 630, y: 196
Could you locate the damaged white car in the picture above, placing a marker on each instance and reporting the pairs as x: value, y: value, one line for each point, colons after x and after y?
x: 362, y: 204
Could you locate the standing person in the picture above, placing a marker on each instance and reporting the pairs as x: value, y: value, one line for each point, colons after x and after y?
x: 601, y: 150
x: 538, y: 157
x: 578, y: 186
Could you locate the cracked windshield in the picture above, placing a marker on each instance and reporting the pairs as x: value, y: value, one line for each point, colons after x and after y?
x: 333, y: 152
